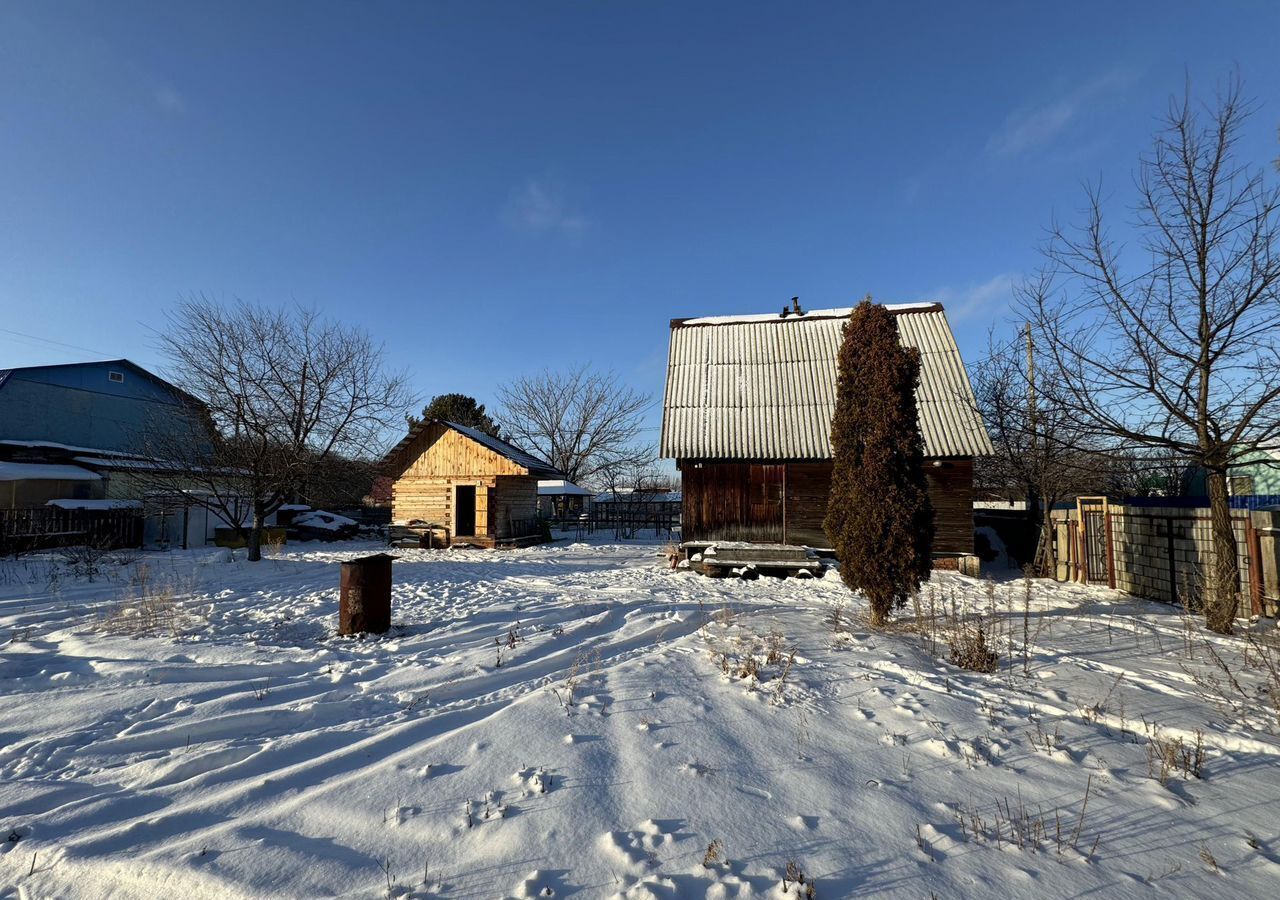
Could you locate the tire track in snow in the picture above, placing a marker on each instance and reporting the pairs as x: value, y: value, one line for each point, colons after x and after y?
x: 316, y: 776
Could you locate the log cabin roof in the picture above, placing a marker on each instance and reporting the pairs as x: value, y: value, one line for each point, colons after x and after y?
x: 521, y: 458
x: 763, y: 387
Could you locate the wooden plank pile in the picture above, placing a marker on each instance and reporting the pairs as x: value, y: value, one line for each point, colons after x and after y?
x: 744, y: 560
x: 418, y: 535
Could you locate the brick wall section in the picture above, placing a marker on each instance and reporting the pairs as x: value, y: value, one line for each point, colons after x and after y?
x: 1143, y: 539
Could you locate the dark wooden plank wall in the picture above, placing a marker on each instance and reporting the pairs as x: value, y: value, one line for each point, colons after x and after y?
x: 951, y: 492
x: 808, y: 485
x: 731, y: 501
x: 740, y: 501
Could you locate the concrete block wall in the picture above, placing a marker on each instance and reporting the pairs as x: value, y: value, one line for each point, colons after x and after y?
x: 1143, y: 538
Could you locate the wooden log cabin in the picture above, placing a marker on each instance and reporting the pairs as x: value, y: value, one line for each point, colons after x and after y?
x: 473, y: 487
x: 747, y: 417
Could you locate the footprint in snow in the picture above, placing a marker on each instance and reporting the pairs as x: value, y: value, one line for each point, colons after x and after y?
x: 639, y: 849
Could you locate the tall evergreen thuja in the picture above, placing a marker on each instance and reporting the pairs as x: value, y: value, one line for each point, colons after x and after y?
x: 879, y: 518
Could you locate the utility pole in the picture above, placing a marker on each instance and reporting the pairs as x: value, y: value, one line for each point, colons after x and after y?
x: 1036, y: 499
x: 1031, y: 386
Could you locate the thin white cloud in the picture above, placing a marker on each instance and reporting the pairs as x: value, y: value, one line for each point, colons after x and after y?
x: 169, y: 100
x: 995, y: 295
x: 541, y: 207
x: 1036, y: 125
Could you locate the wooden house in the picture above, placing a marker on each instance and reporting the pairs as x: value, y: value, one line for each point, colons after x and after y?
x: 475, y: 488
x: 747, y: 417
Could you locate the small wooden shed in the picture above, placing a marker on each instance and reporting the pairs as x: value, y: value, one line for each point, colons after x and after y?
x: 476, y: 488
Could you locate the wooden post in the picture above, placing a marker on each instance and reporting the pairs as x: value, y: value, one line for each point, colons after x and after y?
x: 1111, y: 551
x: 784, y: 503
x: 1254, y: 546
x: 1064, y: 548
x: 1073, y: 550
x: 1082, y: 538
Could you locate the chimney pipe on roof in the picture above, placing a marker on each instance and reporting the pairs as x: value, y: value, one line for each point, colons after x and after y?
x: 795, y: 306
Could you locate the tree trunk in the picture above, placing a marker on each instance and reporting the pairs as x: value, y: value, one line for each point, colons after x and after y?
x: 255, y: 535
x: 1223, y: 581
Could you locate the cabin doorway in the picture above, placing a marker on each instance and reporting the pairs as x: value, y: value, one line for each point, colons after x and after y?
x: 464, y: 506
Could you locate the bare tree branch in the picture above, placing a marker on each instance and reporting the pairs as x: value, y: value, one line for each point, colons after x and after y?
x: 581, y: 421
x: 287, y: 394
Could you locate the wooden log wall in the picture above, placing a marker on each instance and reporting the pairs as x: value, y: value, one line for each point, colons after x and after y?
x: 515, y: 498
x: 430, y: 499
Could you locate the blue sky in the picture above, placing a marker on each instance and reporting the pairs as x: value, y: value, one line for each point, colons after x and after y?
x: 494, y: 188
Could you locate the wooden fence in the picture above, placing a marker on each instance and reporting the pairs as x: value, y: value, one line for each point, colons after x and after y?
x: 39, y: 528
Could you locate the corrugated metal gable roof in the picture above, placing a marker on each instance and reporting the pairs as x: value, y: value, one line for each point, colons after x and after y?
x: 756, y: 387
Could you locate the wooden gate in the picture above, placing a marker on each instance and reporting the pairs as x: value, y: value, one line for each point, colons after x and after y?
x: 1097, y: 565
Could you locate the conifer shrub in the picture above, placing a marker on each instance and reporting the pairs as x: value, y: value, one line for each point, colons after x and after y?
x: 879, y: 518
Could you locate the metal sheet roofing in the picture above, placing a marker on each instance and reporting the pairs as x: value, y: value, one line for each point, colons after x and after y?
x: 764, y: 387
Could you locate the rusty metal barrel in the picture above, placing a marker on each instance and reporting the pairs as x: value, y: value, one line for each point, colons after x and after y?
x: 365, y: 605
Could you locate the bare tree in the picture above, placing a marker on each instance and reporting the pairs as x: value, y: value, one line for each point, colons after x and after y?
x: 1041, y: 452
x: 288, y: 395
x: 581, y: 421
x: 1182, y: 356
x: 1144, y: 472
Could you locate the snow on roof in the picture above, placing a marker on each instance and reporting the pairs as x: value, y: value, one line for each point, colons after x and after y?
x: 20, y: 471
x: 105, y: 462
x: 839, y: 312
x: 95, y: 456
x: 326, y: 520
x: 54, y: 445
x: 96, y: 504
x: 561, y: 487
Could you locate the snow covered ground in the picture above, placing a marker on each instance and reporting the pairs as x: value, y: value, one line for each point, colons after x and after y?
x: 256, y: 754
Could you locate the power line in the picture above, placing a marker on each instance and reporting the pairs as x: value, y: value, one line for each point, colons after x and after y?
x: 36, y: 337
